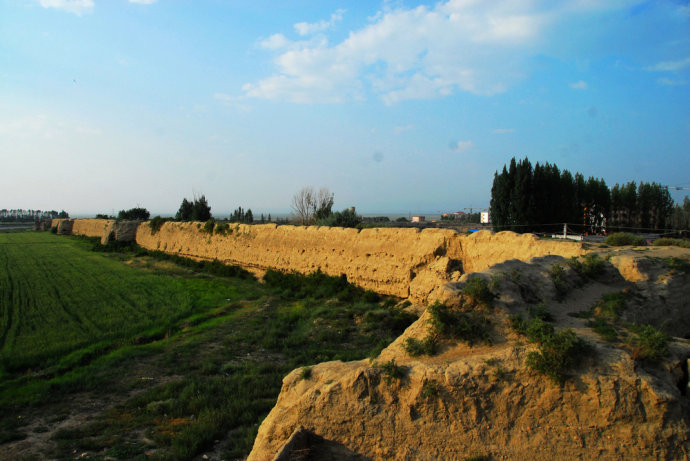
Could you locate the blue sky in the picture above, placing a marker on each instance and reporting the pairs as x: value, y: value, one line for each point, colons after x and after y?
x: 396, y: 106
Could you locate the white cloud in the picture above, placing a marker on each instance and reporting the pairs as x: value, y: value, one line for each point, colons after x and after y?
x: 670, y: 66
x: 274, y: 42
x: 462, y: 146
x: 417, y: 53
x: 504, y: 130
x: 669, y: 82
x: 402, y: 129
x: 580, y: 85
x: 143, y: 2
x: 77, y: 7
x: 305, y: 28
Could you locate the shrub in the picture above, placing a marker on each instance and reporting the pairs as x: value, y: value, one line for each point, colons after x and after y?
x: 678, y: 265
x: 559, y: 282
x: 222, y: 228
x: 416, y: 348
x: 478, y: 291
x: 431, y: 389
x: 305, y: 373
x: 209, y: 226
x: 618, y: 239
x: 469, y: 327
x: 557, y: 354
x: 611, y: 305
x: 155, y: 224
x: 649, y: 343
x: 665, y: 241
x: 392, y: 370
x: 590, y: 265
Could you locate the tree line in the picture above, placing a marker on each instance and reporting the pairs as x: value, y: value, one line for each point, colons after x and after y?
x: 529, y: 199
x: 19, y: 215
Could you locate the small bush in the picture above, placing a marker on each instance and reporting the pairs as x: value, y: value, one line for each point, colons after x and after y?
x: 557, y: 273
x: 611, y: 305
x: 305, y: 373
x: 665, y: 241
x: 222, y: 228
x: 624, y: 238
x: 678, y: 265
x: 156, y: 223
x: 392, y: 370
x: 478, y: 291
x: 209, y: 226
x: 469, y: 327
x: 416, y: 348
x: 590, y: 265
x: 649, y: 344
x: 557, y: 354
x: 431, y: 389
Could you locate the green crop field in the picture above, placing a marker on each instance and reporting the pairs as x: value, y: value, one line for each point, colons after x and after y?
x: 58, y: 296
x: 181, y: 358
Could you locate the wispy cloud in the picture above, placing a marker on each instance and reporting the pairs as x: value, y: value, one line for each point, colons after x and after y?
x: 77, y: 7
x: 669, y: 82
x: 143, y: 2
x: 462, y: 146
x: 417, y: 53
x: 402, y: 129
x: 580, y: 85
x: 305, y: 28
x: 504, y: 130
x: 670, y: 66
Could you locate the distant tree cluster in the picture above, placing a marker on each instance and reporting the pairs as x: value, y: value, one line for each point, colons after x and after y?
x: 19, y: 215
x: 680, y: 217
x: 345, y: 218
x: 134, y: 214
x: 195, y: 210
x: 526, y: 198
x: 469, y: 218
x: 645, y: 206
x: 242, y: 216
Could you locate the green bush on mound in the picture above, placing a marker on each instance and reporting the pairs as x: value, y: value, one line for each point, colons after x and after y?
x: 624, y: 238
x: 649, y: 343
x: 665, y: 241
x: 557, y: 352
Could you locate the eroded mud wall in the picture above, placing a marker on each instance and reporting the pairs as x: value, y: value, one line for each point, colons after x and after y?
x: 393, y: 261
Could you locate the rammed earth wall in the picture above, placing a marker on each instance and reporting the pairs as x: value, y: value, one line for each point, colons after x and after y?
x: 400, y: 262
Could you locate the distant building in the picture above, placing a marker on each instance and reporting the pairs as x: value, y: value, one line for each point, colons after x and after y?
x: 485, y: 218
x: 418, y: 219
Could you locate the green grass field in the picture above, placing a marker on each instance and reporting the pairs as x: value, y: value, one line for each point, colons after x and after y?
x: 183, y: 361
x: 58, y: 296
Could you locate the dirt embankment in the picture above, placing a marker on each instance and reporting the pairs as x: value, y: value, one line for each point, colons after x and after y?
x: 484, y: 400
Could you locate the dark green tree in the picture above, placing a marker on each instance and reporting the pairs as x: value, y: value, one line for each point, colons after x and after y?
x: 134, y: 214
